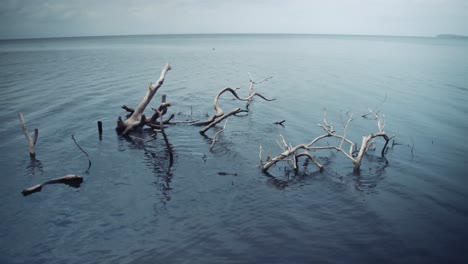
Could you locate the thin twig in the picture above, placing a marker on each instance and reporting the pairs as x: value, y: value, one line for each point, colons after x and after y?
x: 217, y: 133
x: 87, y: 156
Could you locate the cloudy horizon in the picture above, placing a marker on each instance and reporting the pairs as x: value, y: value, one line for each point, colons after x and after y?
x: 55, y: 18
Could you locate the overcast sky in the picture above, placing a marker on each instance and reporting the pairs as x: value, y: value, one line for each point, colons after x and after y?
x: 58, y: 18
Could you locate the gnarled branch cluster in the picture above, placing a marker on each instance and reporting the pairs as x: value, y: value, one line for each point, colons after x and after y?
x: 220, y: 115
x: 137, y: 118
x: 292, y: 154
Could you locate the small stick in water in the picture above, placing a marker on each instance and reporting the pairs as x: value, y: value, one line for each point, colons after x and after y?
x: 99, y: 125
x: 87, y: 156
x: 280, y: 123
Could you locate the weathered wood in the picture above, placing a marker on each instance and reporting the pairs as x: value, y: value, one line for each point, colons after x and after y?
x: 71, y: 180
x: 365, y: 145
x: 219, y: 111
x: 158, y: 125
x: 128, y: 109
x: 135, y: 120
x: 212, y: 124
x: 31, y: 141
x: 162, y: 109
x: 290, y: 153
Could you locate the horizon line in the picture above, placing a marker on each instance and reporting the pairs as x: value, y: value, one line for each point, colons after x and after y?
x: 179, y: 34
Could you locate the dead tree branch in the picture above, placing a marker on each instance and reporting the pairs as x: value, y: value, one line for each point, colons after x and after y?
x: 128, y: 109
x: 71, y: 180
x: 290, y: 153
x: 137, y: 118
x: 212, y: 121
x: 31, y: 141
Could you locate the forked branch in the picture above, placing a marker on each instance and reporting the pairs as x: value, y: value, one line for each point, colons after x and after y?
x: 213, y: 120
x: 31, y: 140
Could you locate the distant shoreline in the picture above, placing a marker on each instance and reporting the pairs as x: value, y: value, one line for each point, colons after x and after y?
x: 444, y: 36
x: 452, y: 36
x: 220, y: 34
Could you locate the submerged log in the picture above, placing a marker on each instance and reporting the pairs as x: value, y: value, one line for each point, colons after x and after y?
x: 71, y: 180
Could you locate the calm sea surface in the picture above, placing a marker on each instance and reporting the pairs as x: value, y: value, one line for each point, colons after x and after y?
x: 410, y: 208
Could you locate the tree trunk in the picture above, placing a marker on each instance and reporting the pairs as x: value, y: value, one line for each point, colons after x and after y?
x: 137, y: 118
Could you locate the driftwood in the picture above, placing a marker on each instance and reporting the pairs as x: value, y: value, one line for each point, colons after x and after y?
x: 128, y: 109
x: 137, y: 118
x: 31, y: 141
x: 220, y: 116
x: 71, y: 180
x: 291, y: 154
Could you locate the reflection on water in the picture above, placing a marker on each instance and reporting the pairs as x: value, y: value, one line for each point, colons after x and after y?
x: 371, y: 173
x: 34, y: 165
x: 157, y: 158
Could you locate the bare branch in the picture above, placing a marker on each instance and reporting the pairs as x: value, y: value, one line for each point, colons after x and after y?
x: 307, y: 154
x: 219, y: 116
x: 82, y: 150
x: 128, y: 109
x: 135, y: 120
x: 290, y: 153
x: 71, y: 180
x: 161, y: 109
x: 212, y: 124
x: 31, y: 141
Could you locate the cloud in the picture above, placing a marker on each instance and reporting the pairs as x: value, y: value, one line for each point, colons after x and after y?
x: 31, y: 18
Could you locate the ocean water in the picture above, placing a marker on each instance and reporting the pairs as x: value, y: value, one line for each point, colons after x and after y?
x: 215, y: 205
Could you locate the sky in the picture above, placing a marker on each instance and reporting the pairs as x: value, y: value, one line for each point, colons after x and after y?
x: 65, y: 18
